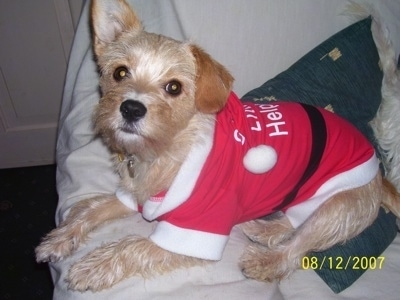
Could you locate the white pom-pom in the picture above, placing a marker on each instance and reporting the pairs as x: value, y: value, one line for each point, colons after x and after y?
x: 260, y: 159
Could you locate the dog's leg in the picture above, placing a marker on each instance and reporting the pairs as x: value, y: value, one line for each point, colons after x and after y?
x: 270, y: 231
x: 133, y: 255
x: 341, y: 218
x: 83, y: 218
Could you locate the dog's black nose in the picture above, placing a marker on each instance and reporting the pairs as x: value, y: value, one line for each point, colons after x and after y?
x: 132, y: 110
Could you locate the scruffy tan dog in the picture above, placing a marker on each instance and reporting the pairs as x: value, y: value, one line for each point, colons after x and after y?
x: 194, y: 158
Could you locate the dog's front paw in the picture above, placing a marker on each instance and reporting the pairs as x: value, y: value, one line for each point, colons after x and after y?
x: 133, y: 255
x: 100, y: 269
x: 57, y: 245
x: 263, y: 264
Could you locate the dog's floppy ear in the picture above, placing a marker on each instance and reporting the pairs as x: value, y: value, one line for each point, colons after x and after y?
x: 213, y: 82
x: 109, y: 18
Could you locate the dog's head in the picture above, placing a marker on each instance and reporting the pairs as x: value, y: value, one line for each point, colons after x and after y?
x: 151, y: 85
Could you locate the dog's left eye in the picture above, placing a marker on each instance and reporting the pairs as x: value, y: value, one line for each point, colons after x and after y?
x: 120, y: 73
x: 173, y: 88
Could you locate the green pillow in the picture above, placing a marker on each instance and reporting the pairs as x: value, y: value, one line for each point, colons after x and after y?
x: 343, y: 75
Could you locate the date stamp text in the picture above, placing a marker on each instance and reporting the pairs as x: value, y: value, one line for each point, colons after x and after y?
x: 340, y: 263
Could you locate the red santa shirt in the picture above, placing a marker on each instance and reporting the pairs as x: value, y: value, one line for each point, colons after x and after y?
x: 255, y: 158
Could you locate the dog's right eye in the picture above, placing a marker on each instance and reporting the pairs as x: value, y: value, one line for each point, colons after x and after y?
x: 120, y: 73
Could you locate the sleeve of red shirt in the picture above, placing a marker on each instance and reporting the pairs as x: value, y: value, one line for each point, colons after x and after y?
x: 199, y: 228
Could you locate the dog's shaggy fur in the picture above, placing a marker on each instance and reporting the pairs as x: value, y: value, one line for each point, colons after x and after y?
x: 179, y: 91
x: 386, y: 124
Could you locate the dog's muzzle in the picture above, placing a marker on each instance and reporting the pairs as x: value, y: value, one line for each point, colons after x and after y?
x: 132, y: 110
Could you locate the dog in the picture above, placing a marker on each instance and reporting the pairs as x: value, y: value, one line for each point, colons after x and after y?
x: 193, y: 157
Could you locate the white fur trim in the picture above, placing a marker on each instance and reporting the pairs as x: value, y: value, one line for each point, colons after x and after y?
x: 185, y: 180
x: 189, y: 242
x: 356, y: 177
x: 260, y: 159
x: 126, y: 198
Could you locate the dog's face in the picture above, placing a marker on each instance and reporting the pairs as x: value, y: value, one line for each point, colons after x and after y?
x: 152, y: 86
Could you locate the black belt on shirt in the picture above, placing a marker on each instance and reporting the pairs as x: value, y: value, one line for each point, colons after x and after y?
x: 318, y: 129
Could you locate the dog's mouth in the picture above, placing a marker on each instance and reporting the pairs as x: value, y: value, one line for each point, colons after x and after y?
x: 129, y: 129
